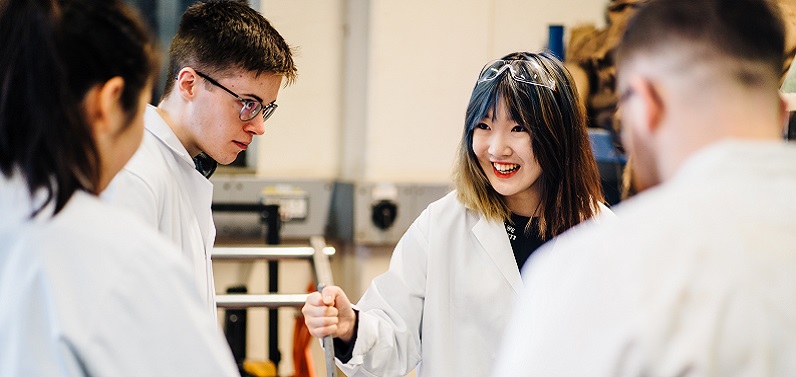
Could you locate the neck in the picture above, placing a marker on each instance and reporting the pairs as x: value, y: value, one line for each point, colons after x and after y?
x: 526, y: 203
x: 691, y: 128
x: 173, y: 113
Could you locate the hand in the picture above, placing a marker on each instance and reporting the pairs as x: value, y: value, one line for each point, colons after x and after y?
x: 330, y: 314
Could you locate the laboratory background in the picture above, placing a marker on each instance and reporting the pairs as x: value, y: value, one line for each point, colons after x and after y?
x: 365, y: 139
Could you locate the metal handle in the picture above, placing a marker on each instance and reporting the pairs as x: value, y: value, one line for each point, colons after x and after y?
x: 272, y: 301
x: 266, y: 253
x: 323, y: 278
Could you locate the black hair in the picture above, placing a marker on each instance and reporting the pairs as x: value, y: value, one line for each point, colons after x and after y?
x: 53, y: 53
x: 569, y: 185
x: 217, y: 36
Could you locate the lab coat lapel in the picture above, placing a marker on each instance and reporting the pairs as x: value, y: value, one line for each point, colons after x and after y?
x: 195, y: 186
x: 201, y: 193
x: 155, y: 124
x: 494, y: 241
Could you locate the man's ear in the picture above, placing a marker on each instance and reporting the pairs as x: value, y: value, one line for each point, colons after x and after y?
x: 187, y: 80
x: 651, y: 103
x: 103, y: 108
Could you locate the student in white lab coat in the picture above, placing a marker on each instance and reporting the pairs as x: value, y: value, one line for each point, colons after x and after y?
x: 525, y: 173
x: 226, y: 65
x: 86, y: 289
x: 695, y: 275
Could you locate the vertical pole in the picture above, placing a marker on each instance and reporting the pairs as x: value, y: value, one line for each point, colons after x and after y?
x: 273, y: 223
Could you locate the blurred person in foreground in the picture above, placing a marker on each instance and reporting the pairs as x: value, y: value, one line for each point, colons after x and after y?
x: 85, y: 289
x: 694, y: 276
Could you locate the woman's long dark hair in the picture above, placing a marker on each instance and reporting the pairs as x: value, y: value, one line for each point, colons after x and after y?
x: 53, y: 52
x: 569, y: 185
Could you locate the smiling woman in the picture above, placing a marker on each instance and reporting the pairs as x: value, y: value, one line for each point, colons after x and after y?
x: 524, y: 163
x: 503, y: 149
x: 527, y: 117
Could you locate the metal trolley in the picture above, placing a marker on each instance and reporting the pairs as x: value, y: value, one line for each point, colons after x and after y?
x: 317, y: 253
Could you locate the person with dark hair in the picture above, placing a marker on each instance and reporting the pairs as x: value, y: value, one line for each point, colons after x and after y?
x: 85, y: 288
x: 524, y: 174
x: 226, y: 65
x: 694, y: 276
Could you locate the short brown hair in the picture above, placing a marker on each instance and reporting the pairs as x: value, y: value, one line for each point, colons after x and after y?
x: 218, y: 36
x: 737, y: 31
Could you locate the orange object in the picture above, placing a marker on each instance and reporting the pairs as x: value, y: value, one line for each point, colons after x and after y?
x: 303, y: 365
x: 259, y: 368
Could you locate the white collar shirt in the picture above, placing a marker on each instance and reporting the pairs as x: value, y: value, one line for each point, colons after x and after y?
x: 694, y: 277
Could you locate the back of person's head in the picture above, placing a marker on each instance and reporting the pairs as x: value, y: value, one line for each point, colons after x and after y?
x: 53, y: 53
x: 742, y: 40
x: 551, y: 112
x: 219, y: 36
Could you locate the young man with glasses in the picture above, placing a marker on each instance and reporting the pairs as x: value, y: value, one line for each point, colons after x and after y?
x: 226, y: 65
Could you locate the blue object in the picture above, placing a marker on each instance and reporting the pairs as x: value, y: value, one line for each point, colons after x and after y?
x: 602, y: 146
x: 610, y: 164
x: 555, y: 41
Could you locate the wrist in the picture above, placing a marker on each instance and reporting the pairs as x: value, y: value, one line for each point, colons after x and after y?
x: 348, y: 326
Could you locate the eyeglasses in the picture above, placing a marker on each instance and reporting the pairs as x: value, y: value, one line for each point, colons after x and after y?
x: 527, y: 71
x: 250, y: 107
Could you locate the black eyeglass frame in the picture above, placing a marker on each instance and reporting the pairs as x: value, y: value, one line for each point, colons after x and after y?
x: 267, y: 110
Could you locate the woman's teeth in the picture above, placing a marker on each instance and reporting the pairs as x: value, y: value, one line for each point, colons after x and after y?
x: 505, y: 168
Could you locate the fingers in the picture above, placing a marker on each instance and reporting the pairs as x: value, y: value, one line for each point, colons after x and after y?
x: 333, y: 295
x: 315, y: 308
x: 322, y: 312
x: 321, y: 326
x: 314, y: 299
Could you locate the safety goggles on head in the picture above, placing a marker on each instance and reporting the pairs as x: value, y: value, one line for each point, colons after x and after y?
x: 250, y: 107
x: 526, y: 71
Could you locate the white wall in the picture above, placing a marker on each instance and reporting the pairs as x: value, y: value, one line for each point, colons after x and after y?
x: 383, y: 84
x: 302, y: 138
x: 424, y: 57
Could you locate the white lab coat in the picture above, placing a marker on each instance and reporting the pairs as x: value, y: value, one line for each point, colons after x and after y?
x: 452, y: 282
x: 95, y: 292
x: 161, y: 184
x: 696, y: 277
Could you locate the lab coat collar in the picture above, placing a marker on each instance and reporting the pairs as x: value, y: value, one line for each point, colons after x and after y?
x: 16, y: 202
x: 158, y: 127
x: 495, y: 242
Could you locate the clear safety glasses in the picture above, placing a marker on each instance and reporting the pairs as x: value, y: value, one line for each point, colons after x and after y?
x: 250, y: 107
x: 526, y: 71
